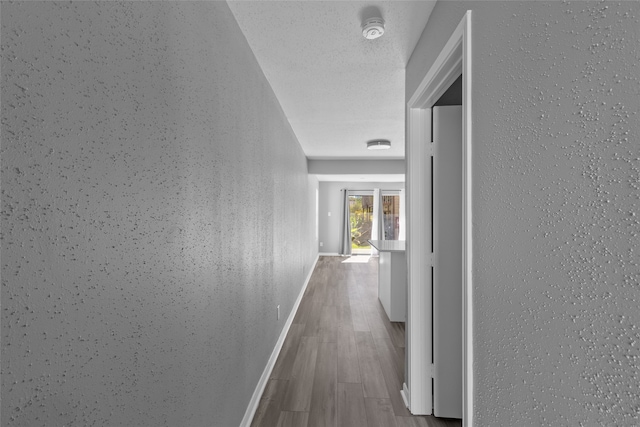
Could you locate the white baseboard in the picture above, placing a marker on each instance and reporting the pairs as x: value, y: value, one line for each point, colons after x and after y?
x: 264, y: 379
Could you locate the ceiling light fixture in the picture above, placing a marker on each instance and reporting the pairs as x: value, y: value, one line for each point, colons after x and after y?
x: 379, y: 144
x: 373, y: 28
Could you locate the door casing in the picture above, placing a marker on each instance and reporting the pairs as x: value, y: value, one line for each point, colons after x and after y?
x: 453, y: 60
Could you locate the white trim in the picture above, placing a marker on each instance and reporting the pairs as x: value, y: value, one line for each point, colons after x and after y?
x: 467, y: 227
x: 418, y: 327
x: 444, y: 71
x: 453, y: 60
x: 264, y: 379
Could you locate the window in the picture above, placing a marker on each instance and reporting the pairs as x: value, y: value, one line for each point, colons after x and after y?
x: 391, y: 215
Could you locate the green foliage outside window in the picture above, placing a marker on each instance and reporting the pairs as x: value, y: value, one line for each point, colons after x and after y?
x: 360, y: 214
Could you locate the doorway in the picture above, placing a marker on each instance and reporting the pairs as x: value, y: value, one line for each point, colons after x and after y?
x: 454, y: 61
x: 446, y: 196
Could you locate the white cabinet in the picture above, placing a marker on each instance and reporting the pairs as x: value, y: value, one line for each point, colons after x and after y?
x: 392, y: 278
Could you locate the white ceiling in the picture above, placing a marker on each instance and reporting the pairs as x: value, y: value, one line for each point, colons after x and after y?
x: 337, y: 89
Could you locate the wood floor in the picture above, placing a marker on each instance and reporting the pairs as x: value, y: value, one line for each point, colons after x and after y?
x: 342, y: 363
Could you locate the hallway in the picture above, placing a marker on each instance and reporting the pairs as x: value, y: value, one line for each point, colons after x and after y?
x: 342, y: 362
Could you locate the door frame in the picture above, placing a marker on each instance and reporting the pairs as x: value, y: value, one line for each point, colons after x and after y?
x: 453, y: 60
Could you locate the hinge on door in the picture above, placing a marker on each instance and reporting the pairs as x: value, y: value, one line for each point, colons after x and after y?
x: 430, y: 149
x: 430, y: 260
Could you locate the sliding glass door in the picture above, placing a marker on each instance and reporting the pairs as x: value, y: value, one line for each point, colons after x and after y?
x: 360, y: 219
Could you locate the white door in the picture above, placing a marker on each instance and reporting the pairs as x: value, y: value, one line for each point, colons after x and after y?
x: 448, y: 264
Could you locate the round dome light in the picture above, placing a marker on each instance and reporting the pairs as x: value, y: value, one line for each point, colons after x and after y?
x: 373, y: 28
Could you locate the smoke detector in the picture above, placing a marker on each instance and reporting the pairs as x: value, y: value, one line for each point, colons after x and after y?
x: 373, y: 28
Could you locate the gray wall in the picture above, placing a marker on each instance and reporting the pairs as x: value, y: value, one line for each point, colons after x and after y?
x: 556, y: 167
x: 156, y: 208
x: 333, y: 167
x: 330, y: 200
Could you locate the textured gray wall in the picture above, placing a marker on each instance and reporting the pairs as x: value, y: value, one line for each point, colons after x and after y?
x: 156, y: 208
x: 556, y: 158
x: 330, y: 200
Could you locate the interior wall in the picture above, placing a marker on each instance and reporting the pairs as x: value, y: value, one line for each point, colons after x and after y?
x: 330, y: 200
x: 156, y: 208
x: 356, y: 166
x: 555, y: 207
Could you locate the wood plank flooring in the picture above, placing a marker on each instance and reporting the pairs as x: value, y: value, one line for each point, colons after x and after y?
x: 342, y: 363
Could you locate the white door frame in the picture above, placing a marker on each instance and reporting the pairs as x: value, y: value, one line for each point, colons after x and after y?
x: 453, y: 60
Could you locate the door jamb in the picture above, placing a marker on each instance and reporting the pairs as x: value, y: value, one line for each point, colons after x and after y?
x: 453, y: 60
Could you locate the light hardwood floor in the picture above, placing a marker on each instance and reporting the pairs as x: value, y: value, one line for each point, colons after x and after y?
x: 342, y: 363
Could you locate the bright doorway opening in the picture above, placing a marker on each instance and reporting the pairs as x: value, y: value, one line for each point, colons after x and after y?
x: 361, y: 222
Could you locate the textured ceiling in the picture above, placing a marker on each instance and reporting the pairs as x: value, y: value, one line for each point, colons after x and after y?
x: 337, y: 89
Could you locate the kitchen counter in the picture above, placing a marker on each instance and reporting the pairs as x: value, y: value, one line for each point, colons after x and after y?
x: 389, y: 245
x: 392, y: 278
